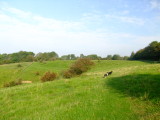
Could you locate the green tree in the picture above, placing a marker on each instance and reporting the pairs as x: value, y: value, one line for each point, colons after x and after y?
x: 116, y: 57
x: 126, y: 58
x: 94, y: 57
x: 73, y: 57
x: 82, y: 56
x: 66, y: 57
x: 151, y: 52
x: 109, y: 57
x: 47, y: 56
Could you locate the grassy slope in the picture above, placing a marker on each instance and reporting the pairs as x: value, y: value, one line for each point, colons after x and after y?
x: 10, y: 72
x: 86, y: 97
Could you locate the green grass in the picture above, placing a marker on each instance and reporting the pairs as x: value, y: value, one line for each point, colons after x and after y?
x: 130, y: 93
x: 10, y: 72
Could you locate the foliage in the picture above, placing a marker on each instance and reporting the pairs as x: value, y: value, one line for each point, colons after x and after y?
x: 69, y: 57
x: 125, y: 58
x: 80, y: 66
x: 19, y: 65
x: 13, y: 83
x: 116, y: 57
x: 21, y: 56
x: 131, y: 56
x: 151, y: 52
x: 93, y: 57
x: 46, y: 56
x: 68, y: 74
x: 37, y: 73
x: 109, y: 57
x: 82, y: 56
x: 48, y: 76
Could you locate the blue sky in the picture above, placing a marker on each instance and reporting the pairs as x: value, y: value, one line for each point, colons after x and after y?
x: 100, y: 27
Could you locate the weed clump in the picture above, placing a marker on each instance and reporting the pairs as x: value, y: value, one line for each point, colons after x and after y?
x: 19, y: 65
x: 13, y: 83
x: 80, y: 66
x: 48, y: 76
x: 37, y: 73
x: 68, y: 74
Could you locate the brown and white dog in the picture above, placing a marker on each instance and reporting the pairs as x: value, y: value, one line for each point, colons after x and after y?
x: 107, y: 74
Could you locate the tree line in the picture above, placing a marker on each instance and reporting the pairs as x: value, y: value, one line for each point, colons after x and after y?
x: 151, y: 52
x: 24, y: 56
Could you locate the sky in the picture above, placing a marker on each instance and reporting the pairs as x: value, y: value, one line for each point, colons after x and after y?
x: 102, y: 27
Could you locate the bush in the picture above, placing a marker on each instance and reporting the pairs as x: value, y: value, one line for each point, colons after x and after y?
x: 48, y: 76
x: 80, y: 66
x: 37, y: 73
x: 19, y: 65
x: 67, y: 74
x: 13, y: 83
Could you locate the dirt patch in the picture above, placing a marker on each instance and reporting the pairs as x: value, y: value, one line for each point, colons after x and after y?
x: 26, y: 81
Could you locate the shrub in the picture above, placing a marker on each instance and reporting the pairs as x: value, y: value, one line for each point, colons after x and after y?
x: 37, y: 73
x: 19, y: 65
x: 48, y: 76
x: 13, y: 83
x: 80, y: 66
x: 67, y: 74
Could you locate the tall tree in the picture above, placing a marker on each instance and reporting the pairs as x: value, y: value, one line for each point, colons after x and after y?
x: 132, y: 55
x: 151, y: 52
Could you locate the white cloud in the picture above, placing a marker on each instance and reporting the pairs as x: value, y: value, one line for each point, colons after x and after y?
x: 121, y: 16
x: 26, y: 31
x: 17, y: 12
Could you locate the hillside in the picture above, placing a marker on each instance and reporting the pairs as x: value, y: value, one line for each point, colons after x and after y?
x: 131, y: 92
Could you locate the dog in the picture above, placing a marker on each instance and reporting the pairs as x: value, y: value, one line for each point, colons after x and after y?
x: 107, y: 74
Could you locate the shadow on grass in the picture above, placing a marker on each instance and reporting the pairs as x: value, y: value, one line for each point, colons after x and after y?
x: 143, y: 86
x: 149, y: 61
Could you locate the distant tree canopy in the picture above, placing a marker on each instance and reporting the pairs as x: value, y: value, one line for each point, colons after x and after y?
x: 109, y: 57
x: 116, y: 57
x: 93, y: 57
x: 21, y: 56
x: 69, y: 57
x: 132, y: 55
x: 82, y: 56
x: 46, y: 56
x: 151, y: 52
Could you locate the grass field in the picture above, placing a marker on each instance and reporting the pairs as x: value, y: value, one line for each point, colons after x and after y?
x: 132, y: 92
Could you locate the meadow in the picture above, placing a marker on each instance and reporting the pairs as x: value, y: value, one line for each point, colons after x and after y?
x: 132, y: 92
